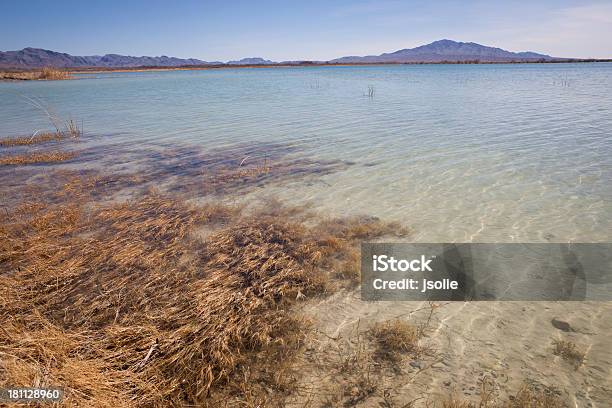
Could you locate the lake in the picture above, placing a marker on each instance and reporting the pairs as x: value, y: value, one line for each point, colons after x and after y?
x: 465, y: 153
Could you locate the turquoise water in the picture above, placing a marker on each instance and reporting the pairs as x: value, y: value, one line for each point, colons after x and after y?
x: 482, y: 153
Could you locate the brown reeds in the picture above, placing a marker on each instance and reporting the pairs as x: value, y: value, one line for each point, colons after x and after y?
x: 569, y: 351
x: 64, y: 129
x: 46, y: 73
x: 31, y: 140
x: 124, y: 304
x: 396, y: 339
x: 39, y: 157
x: 529, y: 395
x: 50, y: 73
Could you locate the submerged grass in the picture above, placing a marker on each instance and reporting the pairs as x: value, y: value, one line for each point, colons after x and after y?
x: 64, y: 130
x: 395, y: 339
x: 527, y: 396
x: 569, y: 351
x: 31, y: 140
x: 41, y: 157
x: 124, y: 304
x: 157, y: 302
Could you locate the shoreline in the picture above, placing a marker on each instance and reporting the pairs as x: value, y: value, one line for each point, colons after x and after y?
x: 26, y: 74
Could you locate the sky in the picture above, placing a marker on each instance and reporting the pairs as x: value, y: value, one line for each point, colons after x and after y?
x: 303, y: 30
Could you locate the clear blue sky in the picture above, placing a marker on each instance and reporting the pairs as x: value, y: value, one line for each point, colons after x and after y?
x: 315, y: 29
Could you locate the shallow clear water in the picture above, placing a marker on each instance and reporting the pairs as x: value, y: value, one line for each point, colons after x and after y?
x: 483, y: 153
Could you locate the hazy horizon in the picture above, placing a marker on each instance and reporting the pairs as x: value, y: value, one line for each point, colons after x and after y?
x: 222, y: 31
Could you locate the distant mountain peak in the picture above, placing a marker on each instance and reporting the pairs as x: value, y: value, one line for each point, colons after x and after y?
x: 445, y: 41
x: 251, y: 61
x: 448, y: 50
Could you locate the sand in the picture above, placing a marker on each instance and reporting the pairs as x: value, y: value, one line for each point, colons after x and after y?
x: 508, y: 343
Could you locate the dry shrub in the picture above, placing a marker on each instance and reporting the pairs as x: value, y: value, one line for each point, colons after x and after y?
x: 124, y: 305
x: 395, y: 339
x: 569, y: 352
x: 42, y: 157
x: 50, y: 73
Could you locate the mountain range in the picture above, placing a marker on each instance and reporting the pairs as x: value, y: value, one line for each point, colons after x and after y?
x: 37, y: 57
x: 438, y: 51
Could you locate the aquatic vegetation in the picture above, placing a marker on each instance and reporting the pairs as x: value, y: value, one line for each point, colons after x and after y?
x: 46, y: 73
x: 36, y: 138
x: 531, y: 397
x: 132, y: 296
x: 39, y: 157
x: 528, y: 396
x: 569, y: 351
x: 196, y: 171
x: 64, y: 127
x: 396, y: 339
x: 50, y: 73
x: 118, y: 301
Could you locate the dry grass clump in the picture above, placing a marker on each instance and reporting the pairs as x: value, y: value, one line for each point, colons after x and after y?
x: 123, y: 304
x: 395, y: 339
x: 20, y: 75
x: 362, y: 389
x: 46, y: 73
x: 528, y: 396
x: 28, y: 188
x: 341, y: 232
x: 456, y: 402
x: 223, y: 171
x: 39, y: 157
x: 363, y: 227
x: 365, y: 363
x: 223, y: 179
x: 357, y: 378
x: 228, y: 175
x: 64, y: 129
x: 350, y: 267
x: 569, y: 351
x: 50, y: 73
x: 196, y: 172
x: 34, y: 139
